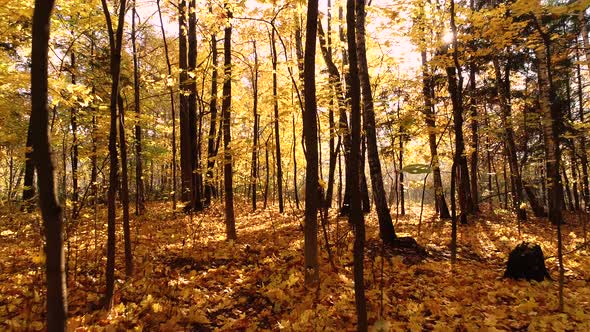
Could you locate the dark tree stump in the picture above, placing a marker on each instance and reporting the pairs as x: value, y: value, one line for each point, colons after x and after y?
x: 527, y: 261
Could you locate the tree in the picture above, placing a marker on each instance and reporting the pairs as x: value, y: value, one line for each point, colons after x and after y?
x: 139, y: 194
x: 230, y: 223
x: 50, y: 209
x: 312, y: 275
x: 115, y: 43
x: 354, y: 13
x: 455, y: 86
x: 386, y: 229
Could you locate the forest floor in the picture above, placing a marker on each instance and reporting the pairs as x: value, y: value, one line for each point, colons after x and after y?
x: 188, y: 277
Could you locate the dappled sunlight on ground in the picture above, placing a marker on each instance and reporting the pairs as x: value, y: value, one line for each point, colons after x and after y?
x: 187, y: 276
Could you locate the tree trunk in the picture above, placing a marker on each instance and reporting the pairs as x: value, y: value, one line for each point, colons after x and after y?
x: 582, y: 138
x: 506, y: 116
x: 254, y: 170
x: 124, y: 190
x: 172, y: 108
x: 227, y: 154
x: 311, y: 144
x: 51, y: 211
x: 139, y: 196
x: 273, y: 51
x: 211, y: 151
x: 197, y: 204
x: 443, y: 209
x: 550, y: 121
x: 115, y: 43
x: 356, y: 48
x: 74, y: 157
x: 28, y: 185
x: 186, y: 171
x: 455, y: 80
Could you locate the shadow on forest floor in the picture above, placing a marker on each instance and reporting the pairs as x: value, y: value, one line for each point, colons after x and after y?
x: 188, y: 277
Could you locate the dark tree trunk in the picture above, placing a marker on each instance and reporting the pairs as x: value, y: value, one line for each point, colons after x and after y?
x: 356, y: 216
x: 402, y: 137
x: 254, y: 170
x: 28, y: 185
x: 273, y: 50
x: 74, y: 157
x: 50, y: 209
x: 124, y: 190
x: 115, y: 43
x: 366, y: 201
x: 551, y: 119
x: 227, y: 154
x: 386, y: 229
x: 443, y: 209
x: 186, y: 171
x: 211, y: 150
x: 455, y: 80
x: 582, y: 138
x: 506, y: 115
x: 474, y: 137
x: 197, y: 204
x: 139, y: 196
x: 172, y: 108
x: 311, y: 144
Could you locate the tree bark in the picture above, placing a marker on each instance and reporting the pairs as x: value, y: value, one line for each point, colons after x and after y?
x: 276, y: 119
x: 172, y: 108
x: 124, y: 190
x: 139, y: 196
x: 354, y: 21
x: 506, y: 115
x: 196, y: 203
x: 211, y: 151
x: 28, y: 185
x: 386, y: 229
x: 254, y: 170
x: 186, y: 171
x: 115, y: 43
x: 311, y: 144
x: 51, y: 211
x: 227, y: 154
x: 74, y: 157
x: 443, y: 209
x: 550, y: 122
x: 455, y: 81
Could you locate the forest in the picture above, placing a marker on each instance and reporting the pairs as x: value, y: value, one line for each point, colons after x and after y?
x: 298, y: 165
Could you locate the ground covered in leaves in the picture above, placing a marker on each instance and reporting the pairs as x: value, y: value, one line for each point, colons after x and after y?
x: 187, y: 277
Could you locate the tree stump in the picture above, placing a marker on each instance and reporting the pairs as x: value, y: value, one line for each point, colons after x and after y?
x: 527, y: 261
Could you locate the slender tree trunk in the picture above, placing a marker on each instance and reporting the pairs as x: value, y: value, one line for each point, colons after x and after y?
x: 226, y: 110
x: 254, y: 170
x: 28, y: 185
x: 443, y: 209
x: 550, y: 121
x: 139, y: 197
x: 172, y: 108
x: 197, y: 204
x: 402, y: 137
x: 273, y: 51
x: 74, y: 157
x: 474, y: 137
x: 366, y: 201
x: 455, y: 80
x: 311, y: 144
x: 211, y: 150
x: 56, y: 305
x: 115, y: 43
x: 506, y: 115
x: 582, y: 138
x: 354, y: 21
x: 186, y: 171
x: 124, y: 190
